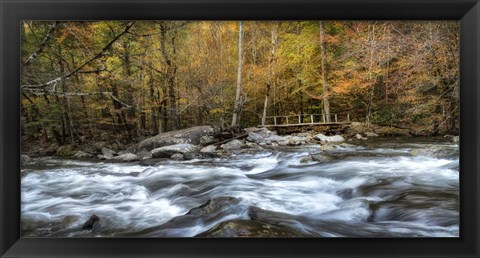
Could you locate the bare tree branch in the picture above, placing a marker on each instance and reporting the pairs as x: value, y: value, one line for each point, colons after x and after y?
x: 47, y: 38
x: 98, y: 55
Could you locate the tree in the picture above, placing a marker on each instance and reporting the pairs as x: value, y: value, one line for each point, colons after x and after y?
x: 238, y: 100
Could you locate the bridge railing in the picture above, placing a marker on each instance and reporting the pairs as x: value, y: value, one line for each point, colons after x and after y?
x: 306, y: 119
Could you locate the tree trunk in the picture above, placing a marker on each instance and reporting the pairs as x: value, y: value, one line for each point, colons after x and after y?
x: 326, y: 89
x: 170, y: 78
x: 238, y: 104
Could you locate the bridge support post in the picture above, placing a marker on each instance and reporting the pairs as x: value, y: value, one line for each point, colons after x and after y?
x: 275, y: 120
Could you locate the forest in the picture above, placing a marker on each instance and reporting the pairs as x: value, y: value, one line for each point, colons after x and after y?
x: 120, y: 81
x: 164, y: 129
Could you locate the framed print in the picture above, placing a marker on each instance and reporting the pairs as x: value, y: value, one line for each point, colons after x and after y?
x: 239, y: 128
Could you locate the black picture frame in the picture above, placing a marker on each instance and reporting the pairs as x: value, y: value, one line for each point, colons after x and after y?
x: 13, y: 11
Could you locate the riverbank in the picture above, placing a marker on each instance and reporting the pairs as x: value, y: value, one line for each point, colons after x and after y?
x: 206, y: 142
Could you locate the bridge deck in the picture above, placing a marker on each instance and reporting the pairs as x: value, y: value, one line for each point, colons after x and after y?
x: 305, y: 124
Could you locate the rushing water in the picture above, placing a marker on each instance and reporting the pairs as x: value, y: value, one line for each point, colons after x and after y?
x: 375, y: 188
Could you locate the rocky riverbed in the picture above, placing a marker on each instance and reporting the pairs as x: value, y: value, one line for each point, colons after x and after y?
x: 259, y: 185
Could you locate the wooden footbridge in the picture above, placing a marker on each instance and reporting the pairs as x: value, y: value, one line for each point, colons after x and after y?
x: 306, y: 120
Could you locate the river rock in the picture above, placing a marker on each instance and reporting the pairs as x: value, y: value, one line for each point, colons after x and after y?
x: 168, y: 151
x: 320, y: 158
x: 232, y: 145
x: 209, y: 149
x: 248, y: 228
x: 345, y: 193
x: 207, y: 139
x: 214, y: 205
x: 25, y: 159
x: 360, y: 137
x: 274, y: 139
x: 371, y: 134
x: 306, y: 159
x: 199, y: 155
x: 127, y: 157
x: 82, y: 155
x: 108, y: 153
x: 177, y: 156
x: 255, y: 137
x: 294, y: 140
x: 91, y: 223
x: 333, y: 139
x: 190, y: 135
x: 456, y: 139
x: 327, y: 147
x: 436, y: 152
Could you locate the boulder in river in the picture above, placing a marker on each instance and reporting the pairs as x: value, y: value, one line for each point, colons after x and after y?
x: 82, y: 155
x: 208, y: 139
x: 127, y: 157
x: 209, y: 149
x: 177, y: 156
x: 25, y: 159
x: 91, y: 222
x: 108, y: 153
x: 190, y: 135
x: 436, y: 152
x: 214, y: 205
x: 168, y: 151
x: 333, y: 139
x: 248, y: 228
x: 371, y: 134
x: 232, y: 145
x: 199, y: 155
x: 360, y: 137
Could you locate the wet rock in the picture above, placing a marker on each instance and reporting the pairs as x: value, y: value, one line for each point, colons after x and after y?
x: 248, y: 228
x: 177, y: 156
x: 320, y: 158
x: 274, y: 139
x: 295, y: 140
x: 190, y: 135
x: 257, y: 134
x: 108, y: 153
x: 332, y: 139
x: 436, y: 152
x: 127, y: 157
x: 213, y: 205
x: 91, y: 223
x: 345, y: 193
x: 25, y: 159
x: 255, y: 137
x: 360, y: 137
x: 199, y: 155
x: 306, y: 159
x: 371, y: 134
x: 207, y: 139
x: 209, y: 149
x: 456, y: 139
x: 232, y: 145
x: 82, y: 155
x: 347, y: 145
x: 168, y: 151
x: 306, y: 135
x: 327, y: 147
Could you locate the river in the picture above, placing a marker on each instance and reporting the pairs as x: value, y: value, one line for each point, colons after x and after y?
x: 373, y: 188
